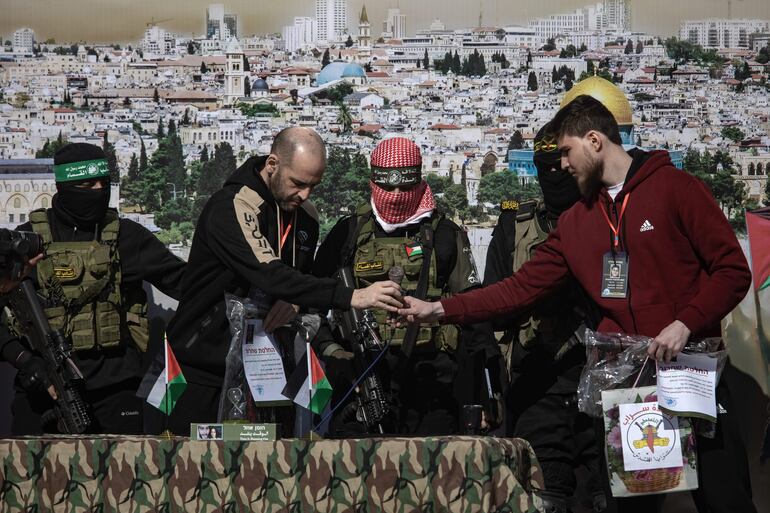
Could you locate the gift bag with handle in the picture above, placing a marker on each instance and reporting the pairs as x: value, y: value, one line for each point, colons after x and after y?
x: 647, y: 450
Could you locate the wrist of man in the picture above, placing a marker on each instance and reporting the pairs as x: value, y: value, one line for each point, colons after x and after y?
x: 693, y: 320
x: 341, y: 297
x: 438, y: 310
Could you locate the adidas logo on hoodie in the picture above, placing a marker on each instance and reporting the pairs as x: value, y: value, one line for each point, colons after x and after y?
x: 646, y: 226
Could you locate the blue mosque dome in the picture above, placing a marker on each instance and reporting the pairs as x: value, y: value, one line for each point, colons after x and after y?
x: 337, y: 70
x: 259, y: 85
x: 353, y: 70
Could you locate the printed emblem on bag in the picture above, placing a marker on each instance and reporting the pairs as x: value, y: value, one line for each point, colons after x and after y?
x: 648, y: 435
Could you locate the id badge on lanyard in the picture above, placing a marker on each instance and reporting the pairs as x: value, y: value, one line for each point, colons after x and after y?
x: 615, y: 262
x: 615, y: 275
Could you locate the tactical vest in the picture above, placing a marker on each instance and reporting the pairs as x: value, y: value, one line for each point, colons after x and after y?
x: 373, y: 258
x: 552, y: 326
x: 83, y: 280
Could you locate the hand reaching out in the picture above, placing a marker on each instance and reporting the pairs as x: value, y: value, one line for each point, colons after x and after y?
x: 381, y: 294
x: 421, y: 311
x: 280, y: 314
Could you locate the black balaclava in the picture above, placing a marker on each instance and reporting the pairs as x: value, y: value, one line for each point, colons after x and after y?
x: 80, y: 207
x: 560, y: 190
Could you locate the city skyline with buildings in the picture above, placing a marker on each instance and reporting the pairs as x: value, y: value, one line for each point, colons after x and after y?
x: 110, y: 21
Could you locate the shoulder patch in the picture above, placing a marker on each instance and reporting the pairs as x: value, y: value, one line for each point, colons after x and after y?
x: 526, y: 211
x: 509, y: 205
x: 247, y: 204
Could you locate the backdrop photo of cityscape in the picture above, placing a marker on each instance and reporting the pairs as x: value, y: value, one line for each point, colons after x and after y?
x: 180, y: 93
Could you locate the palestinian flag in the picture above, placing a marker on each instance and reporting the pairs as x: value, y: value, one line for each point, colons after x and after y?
x: 164, y: 382
x: 413, y: 249
x: 307, y: 386
x: 758, y: 228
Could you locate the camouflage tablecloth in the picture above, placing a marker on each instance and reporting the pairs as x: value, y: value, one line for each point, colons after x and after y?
x: 79, y: 474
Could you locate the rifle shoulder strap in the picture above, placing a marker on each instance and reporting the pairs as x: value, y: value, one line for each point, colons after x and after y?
x: 426, y: 240
x: 356, y: 223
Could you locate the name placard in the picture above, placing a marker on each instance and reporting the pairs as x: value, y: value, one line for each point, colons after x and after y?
x: 234, y: 432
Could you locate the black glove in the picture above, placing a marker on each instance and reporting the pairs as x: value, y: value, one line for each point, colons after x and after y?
x: 32, y: 373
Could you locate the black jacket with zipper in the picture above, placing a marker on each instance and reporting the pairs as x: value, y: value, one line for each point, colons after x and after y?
x: 236, y: 247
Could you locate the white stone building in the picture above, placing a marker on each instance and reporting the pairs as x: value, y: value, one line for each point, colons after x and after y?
x: 23, y: 40
x: 220, y: 25
x: 617, y: 15
x: 394, y: 26
x: 157, y: 41
x: 332, y: 17
x: 721, y: 33
x: 302, y: 35
x: 25, y: 185
x: 235, y: 75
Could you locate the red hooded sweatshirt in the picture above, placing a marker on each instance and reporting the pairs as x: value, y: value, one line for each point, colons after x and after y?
x: 684, y: 260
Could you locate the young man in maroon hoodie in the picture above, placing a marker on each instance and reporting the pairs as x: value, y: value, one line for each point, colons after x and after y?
x: 681, y: 269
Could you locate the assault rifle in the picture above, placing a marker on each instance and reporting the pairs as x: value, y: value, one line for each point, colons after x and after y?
x: 372, y: 406
x: 69, y: 408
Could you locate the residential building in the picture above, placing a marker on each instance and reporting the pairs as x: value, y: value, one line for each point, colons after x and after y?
x: 220, y: 25
x: 157, y: 41
x: 617, y: 15
x: 302, y: 35
x: 722, y: 33
x: 332, y: 17
x: 394, y: 26
x: 23, y: 40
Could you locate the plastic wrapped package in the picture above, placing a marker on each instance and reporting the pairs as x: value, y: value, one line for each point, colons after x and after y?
x: 237, y: 402
x: 617, y: 360
x: 234, y: 404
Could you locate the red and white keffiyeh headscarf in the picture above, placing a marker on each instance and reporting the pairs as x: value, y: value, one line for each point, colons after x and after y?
x: 396, y: 162
x: 395, y: 210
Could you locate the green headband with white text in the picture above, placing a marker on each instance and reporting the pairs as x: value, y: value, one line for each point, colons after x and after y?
x: 85, y: 170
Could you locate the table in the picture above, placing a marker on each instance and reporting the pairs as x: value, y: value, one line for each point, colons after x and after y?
x: 119, y: 473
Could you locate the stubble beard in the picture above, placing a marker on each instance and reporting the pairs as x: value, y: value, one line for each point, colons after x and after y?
x: 590, y: 185
x: 279, y: 193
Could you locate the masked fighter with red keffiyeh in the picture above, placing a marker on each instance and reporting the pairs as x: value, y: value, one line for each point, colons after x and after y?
x: 401, y: 227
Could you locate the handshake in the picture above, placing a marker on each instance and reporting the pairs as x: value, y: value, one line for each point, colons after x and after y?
x: 388, y: 295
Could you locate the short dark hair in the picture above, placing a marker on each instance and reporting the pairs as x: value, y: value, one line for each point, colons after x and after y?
x: 583, y: 114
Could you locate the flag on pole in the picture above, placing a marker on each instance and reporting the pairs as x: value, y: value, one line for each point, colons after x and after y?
x: 308, y: 386
x: 758, y: 228
x: 164, y: 382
